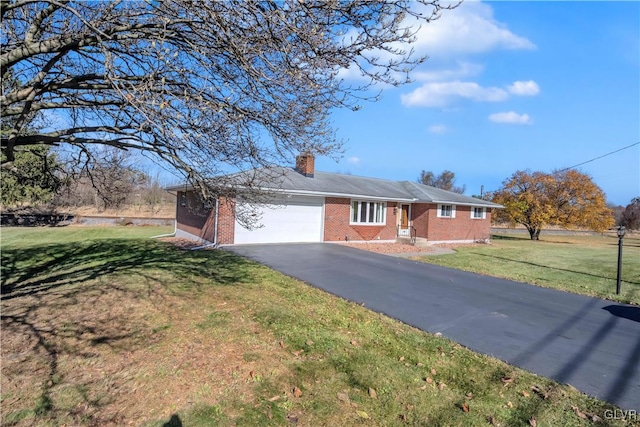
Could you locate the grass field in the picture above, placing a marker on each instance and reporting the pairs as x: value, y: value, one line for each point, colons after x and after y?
x: 103, y: 326
x: 581, y: 264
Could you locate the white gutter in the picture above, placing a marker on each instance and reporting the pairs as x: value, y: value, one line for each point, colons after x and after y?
x: 215, y: 232
x: 449, y: 202
x: 208, y: 245
x: 175, y: 230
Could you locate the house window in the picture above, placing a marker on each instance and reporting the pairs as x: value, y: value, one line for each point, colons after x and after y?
x: 446, y: 211
x: 368, y: 212
x: 478, y: 213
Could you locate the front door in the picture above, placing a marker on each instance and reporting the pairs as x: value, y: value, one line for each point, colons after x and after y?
x: 404, y: 220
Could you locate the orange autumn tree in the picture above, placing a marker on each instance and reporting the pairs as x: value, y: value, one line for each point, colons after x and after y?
x: 567, y: 198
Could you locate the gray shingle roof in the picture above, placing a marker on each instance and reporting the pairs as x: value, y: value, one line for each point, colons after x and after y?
x: 334, y: 184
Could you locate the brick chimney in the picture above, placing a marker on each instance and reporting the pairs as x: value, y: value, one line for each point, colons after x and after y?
x: 305, y: 164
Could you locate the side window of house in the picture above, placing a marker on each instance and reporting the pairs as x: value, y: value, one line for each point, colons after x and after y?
x: 364, y: 212
x: 446, y: 211
x: 478, y: 213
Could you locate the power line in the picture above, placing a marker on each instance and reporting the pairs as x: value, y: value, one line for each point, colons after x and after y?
x: 588, y: 161
x: 599, y: 157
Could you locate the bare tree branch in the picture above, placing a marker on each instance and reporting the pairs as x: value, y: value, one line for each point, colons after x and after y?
x: 203, y: 87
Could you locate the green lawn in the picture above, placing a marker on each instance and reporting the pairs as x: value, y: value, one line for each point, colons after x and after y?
x: 579, y: 264
x: 103, y: 326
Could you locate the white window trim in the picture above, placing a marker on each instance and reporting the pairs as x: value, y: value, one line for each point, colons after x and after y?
x: 453, y: 210
x: 383, y: 205
x: 473, y: 211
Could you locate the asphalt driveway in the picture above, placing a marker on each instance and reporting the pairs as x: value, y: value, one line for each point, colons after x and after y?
x: 590, y: 343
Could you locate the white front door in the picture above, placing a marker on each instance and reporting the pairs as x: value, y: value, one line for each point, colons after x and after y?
x: 287, y: 219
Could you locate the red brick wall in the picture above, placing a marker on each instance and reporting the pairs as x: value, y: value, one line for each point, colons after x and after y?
x: 200, y: 222
x: 337, y: 213
x: 194, y: 218
x: 420, y: 218
x: 226, y: 220
x: 305, y: 164
x: 462, y: 227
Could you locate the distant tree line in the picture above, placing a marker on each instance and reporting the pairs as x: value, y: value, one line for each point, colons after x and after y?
x: 112, y: 181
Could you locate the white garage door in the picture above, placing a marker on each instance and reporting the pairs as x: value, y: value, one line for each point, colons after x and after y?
x: 294, y: 219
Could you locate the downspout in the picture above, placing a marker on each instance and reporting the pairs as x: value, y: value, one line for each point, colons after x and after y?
x: 215, y: 232
x: 175, y: 225
x: 175, y: 230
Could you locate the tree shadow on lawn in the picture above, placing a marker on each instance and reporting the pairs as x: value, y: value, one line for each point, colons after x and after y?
x: 38, y: 269
x: 519, y: 261
x: 65, y: 305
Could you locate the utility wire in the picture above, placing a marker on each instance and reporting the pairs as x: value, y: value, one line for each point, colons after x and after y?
x: 583, y: 163
x: 599, y: 157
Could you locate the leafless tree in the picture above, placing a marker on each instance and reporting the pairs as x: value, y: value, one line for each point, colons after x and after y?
x: 446, y: 181
x: 204, y: 87
x: 630, y: 217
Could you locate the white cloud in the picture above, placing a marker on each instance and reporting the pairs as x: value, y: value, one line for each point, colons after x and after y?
x: 438, y: 129
x: 443, y: 94
x: 353, y: 160
x: 528, y: 88
x: 511, y: 117
x: 464, y: 69
x: 469, y: 28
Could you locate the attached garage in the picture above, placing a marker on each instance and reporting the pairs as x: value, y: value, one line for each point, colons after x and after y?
x: 288, y: 219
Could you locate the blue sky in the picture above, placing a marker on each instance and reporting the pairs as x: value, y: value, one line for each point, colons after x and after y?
x: 510, y: 86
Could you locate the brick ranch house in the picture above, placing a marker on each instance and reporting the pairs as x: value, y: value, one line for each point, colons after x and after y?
x: 305, y: 205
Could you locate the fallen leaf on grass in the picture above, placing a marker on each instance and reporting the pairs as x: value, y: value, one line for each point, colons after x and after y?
x: 344, y: 397
x: 595, y: 418
x: 297, y: 353
x: 507, y: 380
x: 372, y: 393
x: 363, y: 415
x: 525, y: 394
x: 441, y: 386
x: 309, y: 342
x: 297, y: 392
x: 274, y: 398
x: 433, y: 371
x: 533, y: 422
x: 537, y: 390
x: 354, y: 342
x: 579, y: 413
x: 464, y: 407
x: 428, y: 380
x: 586, y: 415
x: 491, y: 420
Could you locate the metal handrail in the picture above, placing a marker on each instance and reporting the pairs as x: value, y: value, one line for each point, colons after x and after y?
x: 412, y: 233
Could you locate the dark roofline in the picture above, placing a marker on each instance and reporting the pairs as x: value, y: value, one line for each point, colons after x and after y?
x: 325, y: 184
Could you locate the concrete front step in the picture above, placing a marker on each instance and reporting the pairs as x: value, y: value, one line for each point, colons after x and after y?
x: 419, y: 241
